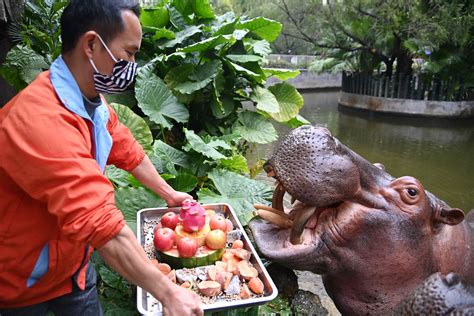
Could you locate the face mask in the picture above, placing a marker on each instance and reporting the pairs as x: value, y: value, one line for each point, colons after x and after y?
x: 122, y: 75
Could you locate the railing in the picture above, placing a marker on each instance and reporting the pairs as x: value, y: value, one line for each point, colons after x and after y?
x: 400, y: 86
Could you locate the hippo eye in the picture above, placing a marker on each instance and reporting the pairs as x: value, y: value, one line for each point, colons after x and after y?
x: 412, y: 192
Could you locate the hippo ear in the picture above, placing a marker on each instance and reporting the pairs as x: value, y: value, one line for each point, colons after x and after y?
x: 449, y: 216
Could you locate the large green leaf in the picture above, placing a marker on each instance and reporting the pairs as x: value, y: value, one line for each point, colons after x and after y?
x: 202, y: 75
x: 297, y: 122
x: 266, y: 101
x: 160, y: 33
x: 236, y: 163
x: 244, y: 58
x: 239, y: 191
x: 204, y: 9
x: 184, y: 182
x: 180, y: 37
x: 155, y: 17
x: 170, y: 156
x: 261, y: 48
x: 156, y: 100
x: 185, y: 7
x: 264, y: 28
x: 289, y: 99
x: 117, y: 176
x: 254, y: 128
x: 246, y: 72
x: 22, y: 65
x: 204, y: 45
x: 282, y: 74
x: 209, y: 149
x: 136, y: 125
x: 130, y: 200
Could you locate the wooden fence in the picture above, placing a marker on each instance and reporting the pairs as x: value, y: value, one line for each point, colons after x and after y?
x: 400, y: 86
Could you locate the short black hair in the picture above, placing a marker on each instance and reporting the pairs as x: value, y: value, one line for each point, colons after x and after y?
x: 102, y: 16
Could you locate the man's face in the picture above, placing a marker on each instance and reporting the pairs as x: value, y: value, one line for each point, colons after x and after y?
x: 124, y: 45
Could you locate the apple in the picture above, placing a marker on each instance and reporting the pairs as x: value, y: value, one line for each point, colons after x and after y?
x: 164, y: 239
x: 187, y: 247
x: 218, y: 222
x: 216, y: 239
x: 170, y: 220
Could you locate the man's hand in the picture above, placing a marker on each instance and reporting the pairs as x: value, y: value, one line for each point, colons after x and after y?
x: 176, y: 198
x: 182, y: 302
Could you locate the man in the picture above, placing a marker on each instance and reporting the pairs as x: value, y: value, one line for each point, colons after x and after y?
x: 56, y: 205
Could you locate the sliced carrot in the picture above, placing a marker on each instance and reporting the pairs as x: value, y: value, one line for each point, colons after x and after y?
x: 256, y: 285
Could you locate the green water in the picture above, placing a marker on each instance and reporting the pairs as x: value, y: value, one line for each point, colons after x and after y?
x: 440, y: 153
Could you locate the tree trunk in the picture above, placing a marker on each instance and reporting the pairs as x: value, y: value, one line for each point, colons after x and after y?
x: 404, y: 63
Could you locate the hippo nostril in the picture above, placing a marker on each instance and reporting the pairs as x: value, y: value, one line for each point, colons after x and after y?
x: 268, y: 168
x: 452, y: 279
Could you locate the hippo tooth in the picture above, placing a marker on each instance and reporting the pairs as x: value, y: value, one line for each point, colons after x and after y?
x: 299, y: 224
x: 277, y: 200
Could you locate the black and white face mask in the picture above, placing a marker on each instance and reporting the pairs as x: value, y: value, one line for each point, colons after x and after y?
x: 119, y: 80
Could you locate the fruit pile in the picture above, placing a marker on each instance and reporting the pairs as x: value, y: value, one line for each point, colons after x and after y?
x: 198, y: 249
x: 195, y: 237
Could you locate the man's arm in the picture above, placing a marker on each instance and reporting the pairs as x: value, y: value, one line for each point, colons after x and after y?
x: 127, y: 258
x: 146, y: 173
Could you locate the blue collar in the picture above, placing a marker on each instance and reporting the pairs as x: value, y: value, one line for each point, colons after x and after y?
x: 70, y: 95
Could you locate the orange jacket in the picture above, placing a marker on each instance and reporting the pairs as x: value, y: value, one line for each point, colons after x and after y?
x: 54, y: 197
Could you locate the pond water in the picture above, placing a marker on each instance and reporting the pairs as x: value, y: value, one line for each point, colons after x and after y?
x: 440, y: 153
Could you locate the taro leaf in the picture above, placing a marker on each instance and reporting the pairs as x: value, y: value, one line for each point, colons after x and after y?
x: 297, y: 122
x: 185, y: 7
x: 244, y: 58
x: 236, y: 163
x: 180, y: 37
x: 254, y: 128
x: 184, y: 182
x: 156, y: 100
x: 126, y: 98
x: 205, y: 45
x: 289, y: 99
x: 239, y: 191
x: 136, y: 125
x: 170, y: 156
x: 130, y: 200
x: 179, y: 75
x: 177, y: 19
x: 160, y: 33
x: 261, y: 48
x: 209, y: 149
x: 282, y: 74
x: 200, y: 78
x: 22, y: 65
x: 264, y: 28
x: 227, y: 27
x: 117, y: 176
x: 157, y: 17
x: 203, y: 9
x: 266, y: 101
x: 249, y: 73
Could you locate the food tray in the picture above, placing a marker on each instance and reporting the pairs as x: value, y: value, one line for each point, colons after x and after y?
x: 147, y: 305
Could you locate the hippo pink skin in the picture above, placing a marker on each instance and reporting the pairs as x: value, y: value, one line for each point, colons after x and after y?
x: 372, y: 237
x: 192, y: 216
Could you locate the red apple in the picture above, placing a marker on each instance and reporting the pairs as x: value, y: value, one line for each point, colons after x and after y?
x: 187, y: 247
x: 164, y: 239
x: 216, y: 239
x: 218, y: 222
x: 170, y: 220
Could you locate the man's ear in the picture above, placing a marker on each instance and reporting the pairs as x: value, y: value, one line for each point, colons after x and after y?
x: 449, y: 216
x: 88, y: 43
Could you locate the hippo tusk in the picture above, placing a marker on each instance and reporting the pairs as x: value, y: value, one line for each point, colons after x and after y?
x: 277, y: 200
x: 299, y: 223
x: 275, y: 218
x: 271, y: 209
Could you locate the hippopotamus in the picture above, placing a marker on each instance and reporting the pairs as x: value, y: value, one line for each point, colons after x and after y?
x: 439, y: 295
x: 372, y: 237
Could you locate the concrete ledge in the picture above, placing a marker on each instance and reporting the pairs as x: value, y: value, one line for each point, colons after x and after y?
x: 310, y: 80
x: 459, y: 109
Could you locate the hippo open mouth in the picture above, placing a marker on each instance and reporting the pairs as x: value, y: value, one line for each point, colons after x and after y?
x: 326, y: 181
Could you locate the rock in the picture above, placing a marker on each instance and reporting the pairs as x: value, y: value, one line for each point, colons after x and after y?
x: 285, y: 279
x: 307, y: 303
